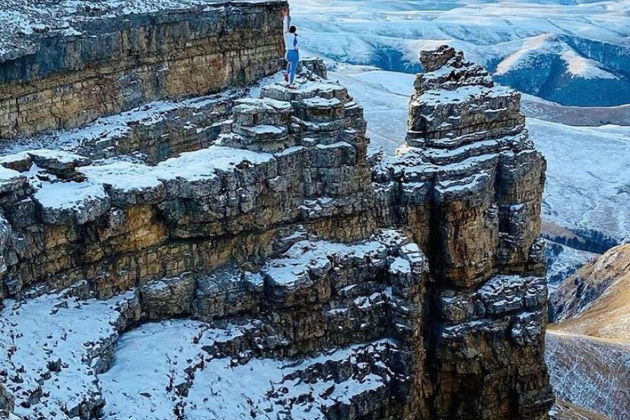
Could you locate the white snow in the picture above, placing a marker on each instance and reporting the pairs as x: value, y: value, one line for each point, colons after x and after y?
x: 253, y: 104
x: 8, y: 174
x: 266, y: 129
x: 51, y: 328
x: 547, y: 44
x: 462, y: 94
x: 319, y: 102
x: 124, y: 176
x: 69, y: 195
x: 523, y: 57
x: 127, y: 177
x: 152, y: 359
x: 60, y: 156
x: 292, y: 268
x: 587, y: 176
x: 204, y: 163
x: 400, y: 266
x: 583, y: 67
x: 467, y: 184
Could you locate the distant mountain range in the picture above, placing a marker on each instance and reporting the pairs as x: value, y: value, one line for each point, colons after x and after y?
x: 570, y: 52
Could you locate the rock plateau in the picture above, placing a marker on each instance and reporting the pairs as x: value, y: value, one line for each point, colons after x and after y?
x: 244, y: 257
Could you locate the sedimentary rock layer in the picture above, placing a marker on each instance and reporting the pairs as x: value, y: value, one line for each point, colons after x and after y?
x: 405, y: 287
x: 104, y: 61
x: 125, y: 223
x: 315, y: 296
x: 468, y: 185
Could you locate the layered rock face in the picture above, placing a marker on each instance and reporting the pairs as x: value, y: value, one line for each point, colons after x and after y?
x: 468, y: 185
x: 127, y: 223
x: 77, y: 61
x: 315, y: 282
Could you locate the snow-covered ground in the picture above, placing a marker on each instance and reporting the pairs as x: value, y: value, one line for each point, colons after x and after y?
x: 573, y: 52
x: 536, y: 107
x: 65, y: 358
x: 52, y: 348
x: 155, y: 358
x: 384, y: 96
x: 588, y: 176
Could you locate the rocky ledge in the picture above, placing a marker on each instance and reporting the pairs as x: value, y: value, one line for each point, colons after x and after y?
x: 278, y: 272
x: 65, y: 63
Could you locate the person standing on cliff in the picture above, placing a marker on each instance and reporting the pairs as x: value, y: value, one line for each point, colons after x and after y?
x: 291, y: 46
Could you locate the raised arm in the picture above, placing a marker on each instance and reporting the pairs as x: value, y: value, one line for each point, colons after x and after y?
x: 286, y: 19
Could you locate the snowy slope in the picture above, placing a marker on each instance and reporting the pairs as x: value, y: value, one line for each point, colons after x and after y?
x: 573, y: 52
x: 565, y: 69
x: 588, y: 176
x: 590, y: 373
x: 68, y: 358
x: 167, y: 365
x: 533, y: 106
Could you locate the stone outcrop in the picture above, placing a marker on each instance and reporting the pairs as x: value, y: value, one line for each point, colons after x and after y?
x: 76, y: 62
x: 316, y: 295
x: 468, y: 184
x: 194, y: 211
x: 401, y: 287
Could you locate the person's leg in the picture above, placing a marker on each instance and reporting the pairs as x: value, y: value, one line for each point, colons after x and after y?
x: 294, y: 60
x: 286, y: 75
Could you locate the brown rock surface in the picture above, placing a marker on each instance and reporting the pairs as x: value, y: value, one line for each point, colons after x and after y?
x: 468, y: 184
x: 424, y: 270
x: 119, y: 61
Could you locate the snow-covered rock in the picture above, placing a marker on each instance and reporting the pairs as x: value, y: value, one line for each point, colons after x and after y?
x: 279, y: 248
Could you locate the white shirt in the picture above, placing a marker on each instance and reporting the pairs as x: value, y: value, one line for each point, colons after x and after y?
x: 290, y: 40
